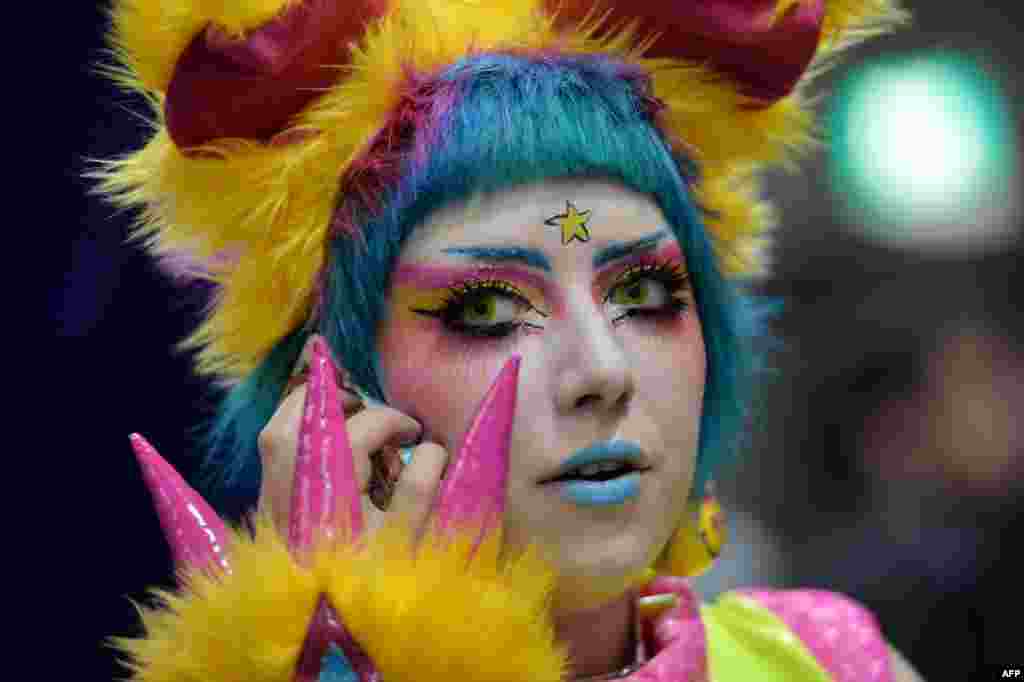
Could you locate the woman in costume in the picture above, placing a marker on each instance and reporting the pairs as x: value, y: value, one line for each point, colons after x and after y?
x: 510, y: 231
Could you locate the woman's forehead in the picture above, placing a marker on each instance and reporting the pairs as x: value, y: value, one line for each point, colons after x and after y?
x: 550, y: 215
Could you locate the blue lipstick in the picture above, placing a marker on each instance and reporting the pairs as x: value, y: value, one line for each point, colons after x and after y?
x: 601, y: 493
x: 588, y: 493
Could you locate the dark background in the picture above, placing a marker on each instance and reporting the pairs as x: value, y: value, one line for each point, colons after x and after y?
x: 885, y: 463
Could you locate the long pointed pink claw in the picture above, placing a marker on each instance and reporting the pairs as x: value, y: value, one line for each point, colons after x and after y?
x: 325, y: 495
x: 196, y: 534
x: 474, y: 490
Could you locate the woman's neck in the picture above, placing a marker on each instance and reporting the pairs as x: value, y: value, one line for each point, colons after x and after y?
x: 600, y: 640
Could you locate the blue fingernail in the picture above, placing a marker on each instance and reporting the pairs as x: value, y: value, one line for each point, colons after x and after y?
x: 406, y: 454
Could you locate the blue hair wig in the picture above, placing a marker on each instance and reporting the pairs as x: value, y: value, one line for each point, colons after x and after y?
x: 514, y: 119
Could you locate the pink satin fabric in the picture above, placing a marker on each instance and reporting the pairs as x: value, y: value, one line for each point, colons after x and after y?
x: 677, y: 636
x: 842, y: 636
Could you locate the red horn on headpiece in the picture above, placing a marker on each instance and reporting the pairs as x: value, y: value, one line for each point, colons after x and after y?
x: 195, y: 533
x: 252, y: 87
x: 763, y: 53
x: 325, y: 493
x: 328, y: 629
x: 474, y: 491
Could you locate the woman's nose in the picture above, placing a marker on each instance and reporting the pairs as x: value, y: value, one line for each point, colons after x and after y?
x: 593, y: 371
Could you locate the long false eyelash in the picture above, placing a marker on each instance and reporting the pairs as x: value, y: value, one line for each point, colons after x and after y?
x: 457, y: 296
x: 670, y: 274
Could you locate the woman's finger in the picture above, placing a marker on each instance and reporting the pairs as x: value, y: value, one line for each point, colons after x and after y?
x: 418, y: 484
x: 374, y: 429
x: 385, y: 467
x: 278, y: 447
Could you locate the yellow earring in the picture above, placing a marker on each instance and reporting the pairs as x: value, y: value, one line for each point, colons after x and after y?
x: 698, y: 541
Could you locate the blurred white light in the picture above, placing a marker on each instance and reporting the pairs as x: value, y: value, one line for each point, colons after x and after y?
x: 924, y: 153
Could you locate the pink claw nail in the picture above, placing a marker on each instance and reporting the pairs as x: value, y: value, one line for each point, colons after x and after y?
x: 325, y: 494
x: 474, y: 491
x: 325, y: 629
x: 196, y: 534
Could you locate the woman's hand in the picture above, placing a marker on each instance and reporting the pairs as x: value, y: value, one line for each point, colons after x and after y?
x: 375, y: 433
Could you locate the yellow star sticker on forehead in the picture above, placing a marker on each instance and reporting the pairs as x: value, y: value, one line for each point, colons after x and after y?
x: 573, y: 224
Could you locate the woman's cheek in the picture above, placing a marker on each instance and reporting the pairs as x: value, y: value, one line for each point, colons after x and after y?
x: 429, y: 380
x: 670, y: 370
x: 671, y: 346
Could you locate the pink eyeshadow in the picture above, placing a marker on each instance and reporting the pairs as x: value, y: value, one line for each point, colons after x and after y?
x: 421, y: 276
x: 667, y: 252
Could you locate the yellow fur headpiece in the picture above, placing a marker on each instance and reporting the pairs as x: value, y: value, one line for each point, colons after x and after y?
x: 254, y: 204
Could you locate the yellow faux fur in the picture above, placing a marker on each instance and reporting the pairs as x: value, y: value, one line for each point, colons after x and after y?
x: 847, y: 21
x: 432, y: 616
x: 272, y: 205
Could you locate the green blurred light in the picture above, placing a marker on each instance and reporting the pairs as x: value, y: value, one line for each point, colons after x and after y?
x: 922, y: 147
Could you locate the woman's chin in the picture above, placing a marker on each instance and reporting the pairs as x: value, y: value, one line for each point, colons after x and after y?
x: 584, y: 592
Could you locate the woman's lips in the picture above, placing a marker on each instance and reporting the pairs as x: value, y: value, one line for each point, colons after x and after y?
x: 604, y: 474
x: 620, y: 454
x: 586, y: 493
